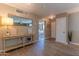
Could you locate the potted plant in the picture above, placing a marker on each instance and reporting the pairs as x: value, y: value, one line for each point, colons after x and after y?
x: 69, y: 37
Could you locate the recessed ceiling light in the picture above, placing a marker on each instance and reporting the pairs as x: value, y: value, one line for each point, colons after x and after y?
x: 51, y: 17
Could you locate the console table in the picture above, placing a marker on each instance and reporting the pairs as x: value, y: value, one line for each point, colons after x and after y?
x: 13, y: 42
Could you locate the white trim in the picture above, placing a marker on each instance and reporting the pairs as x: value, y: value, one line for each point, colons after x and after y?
x: 74, y: 43
x: 62, y: 42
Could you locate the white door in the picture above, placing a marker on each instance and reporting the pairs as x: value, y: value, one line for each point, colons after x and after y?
x: 61, y: 30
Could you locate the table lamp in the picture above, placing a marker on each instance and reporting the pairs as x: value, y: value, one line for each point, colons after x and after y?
x: 6, y: 21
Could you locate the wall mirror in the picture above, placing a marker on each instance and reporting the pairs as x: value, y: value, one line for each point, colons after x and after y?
x: 20, y: 21
x: 24, y: 24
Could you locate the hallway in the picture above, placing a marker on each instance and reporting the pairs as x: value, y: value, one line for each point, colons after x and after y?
x: 47, y: 48
x: 44, y: 28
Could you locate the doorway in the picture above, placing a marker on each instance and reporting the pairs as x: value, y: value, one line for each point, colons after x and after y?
x: 41, y: 30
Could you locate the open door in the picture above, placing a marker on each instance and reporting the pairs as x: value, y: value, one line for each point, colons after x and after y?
x: 61, y: 30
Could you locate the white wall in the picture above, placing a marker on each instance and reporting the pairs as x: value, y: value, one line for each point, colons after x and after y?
x: 74, y: 27
x: 53, y: 30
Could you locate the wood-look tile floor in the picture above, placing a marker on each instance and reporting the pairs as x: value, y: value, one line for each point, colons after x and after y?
x: 46, y: 48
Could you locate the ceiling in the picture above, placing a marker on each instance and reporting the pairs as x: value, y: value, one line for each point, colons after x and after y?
x: 44, y: 9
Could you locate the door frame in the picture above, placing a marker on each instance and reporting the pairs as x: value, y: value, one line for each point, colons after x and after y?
x: 44, y: 28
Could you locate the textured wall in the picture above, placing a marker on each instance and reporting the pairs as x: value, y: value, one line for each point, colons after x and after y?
x: 48, y: 28
x: 7, y: 10
x: 53, y: 29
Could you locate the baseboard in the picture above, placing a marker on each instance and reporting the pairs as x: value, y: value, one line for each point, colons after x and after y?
x: 74, y: 43
x: 62, y: 42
